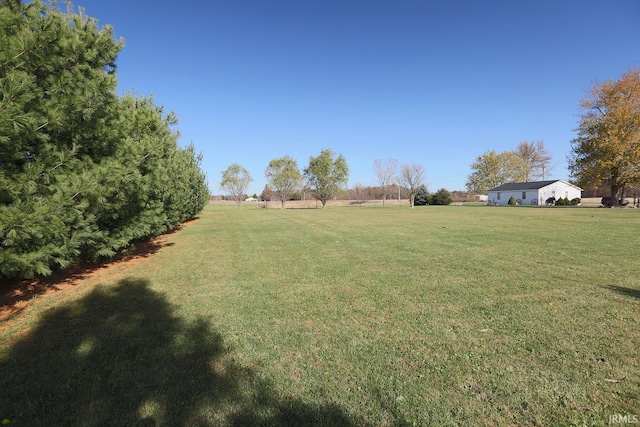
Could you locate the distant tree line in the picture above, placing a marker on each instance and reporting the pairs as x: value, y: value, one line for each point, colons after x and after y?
x: 83, y: 172
x: 361, y: 192
x: 326, y: 177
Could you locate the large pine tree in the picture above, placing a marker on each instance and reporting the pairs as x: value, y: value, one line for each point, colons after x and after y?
x: 83, y: 173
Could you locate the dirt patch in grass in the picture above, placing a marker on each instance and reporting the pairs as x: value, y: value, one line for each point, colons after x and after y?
x: 17, y: 294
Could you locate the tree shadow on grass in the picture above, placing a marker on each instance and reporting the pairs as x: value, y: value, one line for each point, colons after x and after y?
x: 14, y: 293
x: 635, y: 293
x: 120, y: 356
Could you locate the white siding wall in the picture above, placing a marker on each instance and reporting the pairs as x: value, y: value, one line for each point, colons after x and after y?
x: 506, y: 195
x: 557, y: 189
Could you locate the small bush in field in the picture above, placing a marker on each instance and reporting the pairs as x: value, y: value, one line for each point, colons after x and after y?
x: 441, y: 197
x: 512, y: 201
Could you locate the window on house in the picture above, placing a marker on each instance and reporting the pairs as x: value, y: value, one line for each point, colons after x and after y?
x: 498, y: 196
x: 566, y: 194
x: 524, y: 195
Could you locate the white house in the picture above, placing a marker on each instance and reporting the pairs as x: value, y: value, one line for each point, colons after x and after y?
x: 533, y: 193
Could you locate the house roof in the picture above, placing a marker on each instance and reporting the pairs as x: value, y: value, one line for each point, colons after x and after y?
x: 523, y: 186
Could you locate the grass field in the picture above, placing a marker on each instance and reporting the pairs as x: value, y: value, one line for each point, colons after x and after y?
x: 452, y: 315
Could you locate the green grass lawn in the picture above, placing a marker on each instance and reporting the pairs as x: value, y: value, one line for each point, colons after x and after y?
x: 344, y: 316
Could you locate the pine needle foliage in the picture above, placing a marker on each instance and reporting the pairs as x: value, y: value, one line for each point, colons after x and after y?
x: 83, y: 172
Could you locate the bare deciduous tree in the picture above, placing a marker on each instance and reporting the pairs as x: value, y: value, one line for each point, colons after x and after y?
x: 410, y: 178
x: 385, y: 170
x: 536, y: 157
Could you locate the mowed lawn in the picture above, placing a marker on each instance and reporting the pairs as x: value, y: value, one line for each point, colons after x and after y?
x: 452, y: 315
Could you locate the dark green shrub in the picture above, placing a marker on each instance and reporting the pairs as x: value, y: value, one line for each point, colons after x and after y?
x: 441, y: 197
x: 512, y: 201
x: 550, y: 201
x: 576, y: 201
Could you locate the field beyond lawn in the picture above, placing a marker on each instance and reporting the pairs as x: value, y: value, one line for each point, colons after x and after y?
x: 438, y: 315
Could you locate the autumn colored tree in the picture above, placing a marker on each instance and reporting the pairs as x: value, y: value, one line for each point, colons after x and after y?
x: 284, y: 176
x: 385, y: 170
x: 493, y: 169
x: 537, y: 159
x: 607, y: 147
x: 235, y: 180
x: 266, y: 195
x: 326, y: 175
x: 410, y: 177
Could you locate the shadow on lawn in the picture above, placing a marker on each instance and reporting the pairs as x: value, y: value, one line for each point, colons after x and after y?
x: 635, y: 293
x: 119, y: 356
x: 15, y: 292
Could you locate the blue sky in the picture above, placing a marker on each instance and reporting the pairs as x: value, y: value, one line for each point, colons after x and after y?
x: 430, y: 82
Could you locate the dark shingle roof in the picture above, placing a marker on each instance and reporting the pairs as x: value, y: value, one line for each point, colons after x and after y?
x: 521, y: 186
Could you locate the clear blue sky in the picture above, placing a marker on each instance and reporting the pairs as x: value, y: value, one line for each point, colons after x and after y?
x: 432, y: 82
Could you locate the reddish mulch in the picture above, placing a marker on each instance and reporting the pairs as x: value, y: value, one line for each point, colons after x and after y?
x: 15, y: 295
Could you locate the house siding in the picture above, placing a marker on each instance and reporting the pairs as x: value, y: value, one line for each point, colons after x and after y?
x: 532, y: 196
x: 557, y: 189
